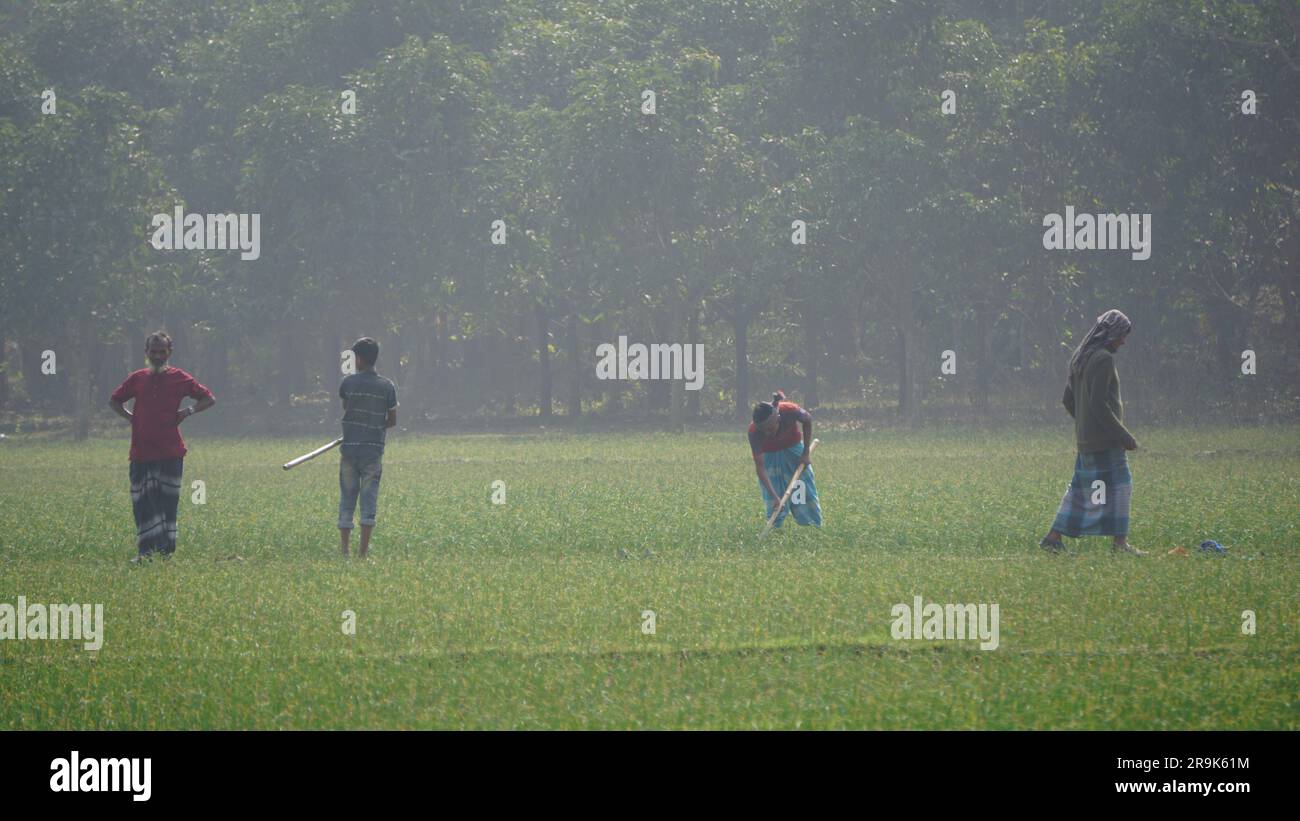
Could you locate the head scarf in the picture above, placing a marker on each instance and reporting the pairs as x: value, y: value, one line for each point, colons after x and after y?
x: 1109, y: 326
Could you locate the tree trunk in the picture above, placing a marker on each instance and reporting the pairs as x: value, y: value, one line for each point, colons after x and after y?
x: 602, y: 393
x: 108, y: 373
x: 95, y: 367
x: 331, y: 357
x: 618, y: 389
x: 4, y: 372
x: 1229, y: 340
x: 575, y: 357
x: 521, y: 359
x: 1052, y: 377
x: 675, y: 401
x: 905, y: 398
x: 1289, y: 348
x: 419, y: 373
x: 500, y: 355
x: 676, y: 387
x: 84, y: 337
x: 657, y: 394
x: 963, y: 360
x: 812, y: 350
x: 29, y: 362
x: 984, y: 367
x: 178, y: 328
x: 740, y: 324
x: 287, y: 368
x: 544, y: 359
x: 397, y: 350
x: 437, y: 349
x: 674, y: 333
x: 219, y: 380
x: 693, y: 337
x: 126, y: 357
x: 1022, y: 361
x: 904, y: 324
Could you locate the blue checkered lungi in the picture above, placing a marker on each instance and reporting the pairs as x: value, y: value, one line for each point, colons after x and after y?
x: 1078, y: 515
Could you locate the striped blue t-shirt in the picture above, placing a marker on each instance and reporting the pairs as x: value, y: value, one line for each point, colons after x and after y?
x: 367, y: 399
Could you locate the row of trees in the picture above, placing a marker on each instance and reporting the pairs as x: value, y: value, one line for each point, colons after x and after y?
x: 924, y: 225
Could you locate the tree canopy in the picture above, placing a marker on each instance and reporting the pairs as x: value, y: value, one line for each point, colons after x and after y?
x: 648, y: 167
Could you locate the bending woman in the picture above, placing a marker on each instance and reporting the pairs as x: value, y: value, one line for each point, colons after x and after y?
x: 776, y: 440
x: 1092, y: 398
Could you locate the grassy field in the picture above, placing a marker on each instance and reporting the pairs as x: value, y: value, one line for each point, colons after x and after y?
x: 471, y: 615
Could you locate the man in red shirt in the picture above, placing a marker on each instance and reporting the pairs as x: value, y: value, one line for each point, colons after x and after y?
x: 157, y: 449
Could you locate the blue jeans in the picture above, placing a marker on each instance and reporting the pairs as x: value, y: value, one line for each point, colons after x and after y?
x: 359, y: 475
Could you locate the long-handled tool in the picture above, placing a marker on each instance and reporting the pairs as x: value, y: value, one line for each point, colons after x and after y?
x: 786, y: 496
x: 306, y: 457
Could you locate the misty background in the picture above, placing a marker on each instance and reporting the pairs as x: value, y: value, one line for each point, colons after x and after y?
x: 924, y: 229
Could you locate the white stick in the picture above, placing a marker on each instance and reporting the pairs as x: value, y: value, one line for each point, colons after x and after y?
x: 293, y: 463
x: 788, y: 491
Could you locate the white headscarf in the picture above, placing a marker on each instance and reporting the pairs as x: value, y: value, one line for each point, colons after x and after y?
x: 1109, y: 326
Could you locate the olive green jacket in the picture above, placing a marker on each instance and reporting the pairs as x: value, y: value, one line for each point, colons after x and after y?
x: 1093, y: 400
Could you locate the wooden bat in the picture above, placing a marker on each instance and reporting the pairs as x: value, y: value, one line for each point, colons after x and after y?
x: 798, y: 472
x: 306, y: 457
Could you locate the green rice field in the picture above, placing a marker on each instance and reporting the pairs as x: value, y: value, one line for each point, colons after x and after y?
x: 525, y: 615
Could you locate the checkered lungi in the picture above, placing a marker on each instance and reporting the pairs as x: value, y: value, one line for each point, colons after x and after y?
x: 1078, y: 516
x: 155, y: 493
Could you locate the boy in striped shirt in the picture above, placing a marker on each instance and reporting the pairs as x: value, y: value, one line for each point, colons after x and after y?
x: 369, y: 410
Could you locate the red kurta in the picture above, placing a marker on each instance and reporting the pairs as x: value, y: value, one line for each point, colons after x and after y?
x: 154, y: 432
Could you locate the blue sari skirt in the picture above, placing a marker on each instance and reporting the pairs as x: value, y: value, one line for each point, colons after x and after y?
x: 780, y: 467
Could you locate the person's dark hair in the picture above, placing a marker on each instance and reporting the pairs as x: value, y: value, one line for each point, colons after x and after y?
x: 764, y: 409
x: 158, y: 336
x: 367, y: 350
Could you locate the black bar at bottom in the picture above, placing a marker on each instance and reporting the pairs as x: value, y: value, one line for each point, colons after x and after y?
x: 333, y: 770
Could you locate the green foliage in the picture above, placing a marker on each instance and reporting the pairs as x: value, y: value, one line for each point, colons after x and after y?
x: 924, y: 227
